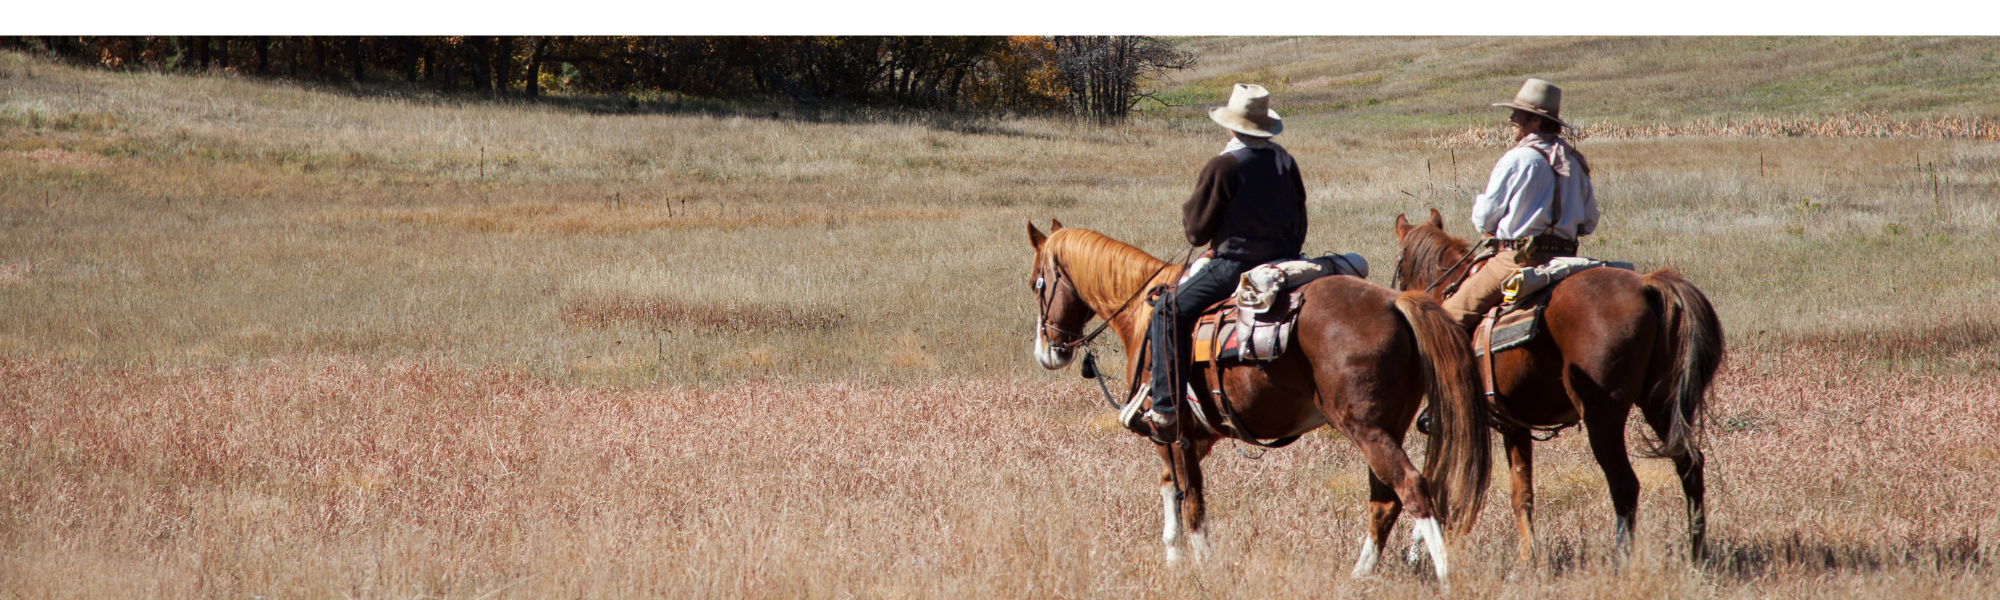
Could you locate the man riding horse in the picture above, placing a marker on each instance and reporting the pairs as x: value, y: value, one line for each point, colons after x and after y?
x: 1537, y: 202
x: 1249, y: 206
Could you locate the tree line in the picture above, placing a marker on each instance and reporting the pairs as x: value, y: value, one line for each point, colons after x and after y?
x: 1102, y: 76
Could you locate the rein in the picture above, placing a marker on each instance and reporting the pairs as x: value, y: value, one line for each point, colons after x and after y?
x: 1480, y: 250
x: 1062, y: 275
x: 1089, y: 367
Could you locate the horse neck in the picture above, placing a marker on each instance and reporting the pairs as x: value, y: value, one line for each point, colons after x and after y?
x: 1111, y: 276
x: 1429, y: 257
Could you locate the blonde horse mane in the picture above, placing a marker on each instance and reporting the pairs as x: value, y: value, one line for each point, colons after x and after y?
x: 1105, y: 272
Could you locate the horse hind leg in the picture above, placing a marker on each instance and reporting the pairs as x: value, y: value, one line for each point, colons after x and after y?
x: 1606, y: 429
x: 1383, y: 508
x: 1388, y: 463
x: 1689, y: 466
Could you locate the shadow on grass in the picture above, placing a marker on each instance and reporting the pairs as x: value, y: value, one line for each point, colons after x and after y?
x: 1755, y: 558
x: 1968, y: 345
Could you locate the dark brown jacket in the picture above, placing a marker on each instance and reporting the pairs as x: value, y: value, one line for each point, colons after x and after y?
x: 1248, y: 204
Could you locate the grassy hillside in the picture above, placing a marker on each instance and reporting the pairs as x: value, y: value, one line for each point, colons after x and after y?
x: 153, y: 218
x: 1394, y: 84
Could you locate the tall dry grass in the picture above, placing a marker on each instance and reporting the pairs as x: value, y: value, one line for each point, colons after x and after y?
x: 267, y: 339
x: 323, y: 478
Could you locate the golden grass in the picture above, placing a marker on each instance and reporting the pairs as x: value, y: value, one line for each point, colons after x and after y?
x: 260, y: 339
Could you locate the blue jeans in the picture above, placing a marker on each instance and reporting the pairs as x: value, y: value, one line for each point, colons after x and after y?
x: 1174, y: 314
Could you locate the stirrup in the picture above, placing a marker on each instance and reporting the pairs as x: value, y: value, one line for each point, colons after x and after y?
x: 1135, y: 407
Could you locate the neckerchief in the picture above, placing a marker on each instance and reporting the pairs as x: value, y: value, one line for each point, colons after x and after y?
x: 1560, y: 153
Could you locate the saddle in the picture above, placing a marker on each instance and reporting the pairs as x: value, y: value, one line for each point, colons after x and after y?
x: 1255, y: 323
x: 1514, y: 323
x: 1524, y: 294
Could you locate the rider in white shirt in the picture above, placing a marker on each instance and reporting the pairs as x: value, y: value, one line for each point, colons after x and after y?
x: 1520, y: 200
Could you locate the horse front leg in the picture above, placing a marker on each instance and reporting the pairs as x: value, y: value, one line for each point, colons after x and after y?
x: 1521, y: 464
x: 1185, y: 508
x: 1170, y: 505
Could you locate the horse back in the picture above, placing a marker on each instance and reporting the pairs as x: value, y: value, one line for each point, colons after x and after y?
x: 1344, y: 316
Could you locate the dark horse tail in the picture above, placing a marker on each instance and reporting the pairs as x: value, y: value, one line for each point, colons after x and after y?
x: 1691, y: 337
x: 1459, y: 459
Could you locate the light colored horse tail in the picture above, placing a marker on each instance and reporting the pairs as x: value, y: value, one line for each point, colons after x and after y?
x: 1692, y: 335
x: 1459, y: 459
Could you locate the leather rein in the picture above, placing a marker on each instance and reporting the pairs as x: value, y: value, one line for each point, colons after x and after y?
x: 1044, y: 292
x: 1044, y: 299
x: 1472, y: 255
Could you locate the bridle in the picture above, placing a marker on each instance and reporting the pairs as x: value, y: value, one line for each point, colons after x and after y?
x: 1044, y: 296
x: 1396, y: 282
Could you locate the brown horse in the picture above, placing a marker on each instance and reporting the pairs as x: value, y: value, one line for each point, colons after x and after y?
x: 1363, y: 359
x: 1609, y: 339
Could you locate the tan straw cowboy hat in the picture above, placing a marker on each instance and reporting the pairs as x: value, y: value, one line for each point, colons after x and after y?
x: 1249, y: 112
x: 1541, y: 98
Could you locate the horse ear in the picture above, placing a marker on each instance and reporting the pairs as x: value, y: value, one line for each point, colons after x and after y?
x: 1035, y: 236
x: 1437, y: 220
x: 1054, y: 225
x: 1402, y: 227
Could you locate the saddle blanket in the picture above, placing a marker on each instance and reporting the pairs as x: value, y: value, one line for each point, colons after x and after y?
x: 1255, y: 323
x: 1522, y: 301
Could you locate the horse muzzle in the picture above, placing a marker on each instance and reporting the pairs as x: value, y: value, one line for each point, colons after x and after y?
x: 1049, y: 356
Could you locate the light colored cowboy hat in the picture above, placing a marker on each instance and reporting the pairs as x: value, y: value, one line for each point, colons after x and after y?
x: 1542, y: 98
x: 1249, y: 112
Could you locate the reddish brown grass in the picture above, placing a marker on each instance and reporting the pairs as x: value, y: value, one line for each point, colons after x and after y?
x: 341, y: 478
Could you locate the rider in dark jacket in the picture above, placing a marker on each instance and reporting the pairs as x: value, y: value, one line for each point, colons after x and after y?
x: 1249, y: 207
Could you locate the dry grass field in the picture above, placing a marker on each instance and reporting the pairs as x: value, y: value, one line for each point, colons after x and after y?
x: 258, y: 339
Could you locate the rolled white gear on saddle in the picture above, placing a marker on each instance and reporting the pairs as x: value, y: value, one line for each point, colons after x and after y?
x: 1528, y: 280
x: 1259, y: 287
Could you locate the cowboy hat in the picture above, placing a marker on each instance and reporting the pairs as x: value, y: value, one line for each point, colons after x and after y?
x: 1540, y: 98
x: 1249, y: 112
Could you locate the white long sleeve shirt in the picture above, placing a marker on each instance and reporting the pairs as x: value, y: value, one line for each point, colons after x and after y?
x: 1519, y: 194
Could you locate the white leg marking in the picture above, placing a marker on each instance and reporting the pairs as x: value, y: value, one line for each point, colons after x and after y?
x: 1198, y: 544
x: 1365, y: 566
x: 1171, y: 533
x: 1434, y: 540
x: 1416, y: 550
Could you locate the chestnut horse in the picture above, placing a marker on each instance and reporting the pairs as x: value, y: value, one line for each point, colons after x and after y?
x: 1609, y: 339
x: 1362, y: 359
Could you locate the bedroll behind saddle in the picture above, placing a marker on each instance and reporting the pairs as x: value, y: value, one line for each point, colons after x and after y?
x: 1255, y: 323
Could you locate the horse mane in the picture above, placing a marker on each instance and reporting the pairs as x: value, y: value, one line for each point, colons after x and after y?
x: 1426, y: 252
x: 1106, y: 271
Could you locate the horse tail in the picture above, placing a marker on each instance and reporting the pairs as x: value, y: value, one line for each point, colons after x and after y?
x: 1691, y: 335
x: 1459, y: 458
